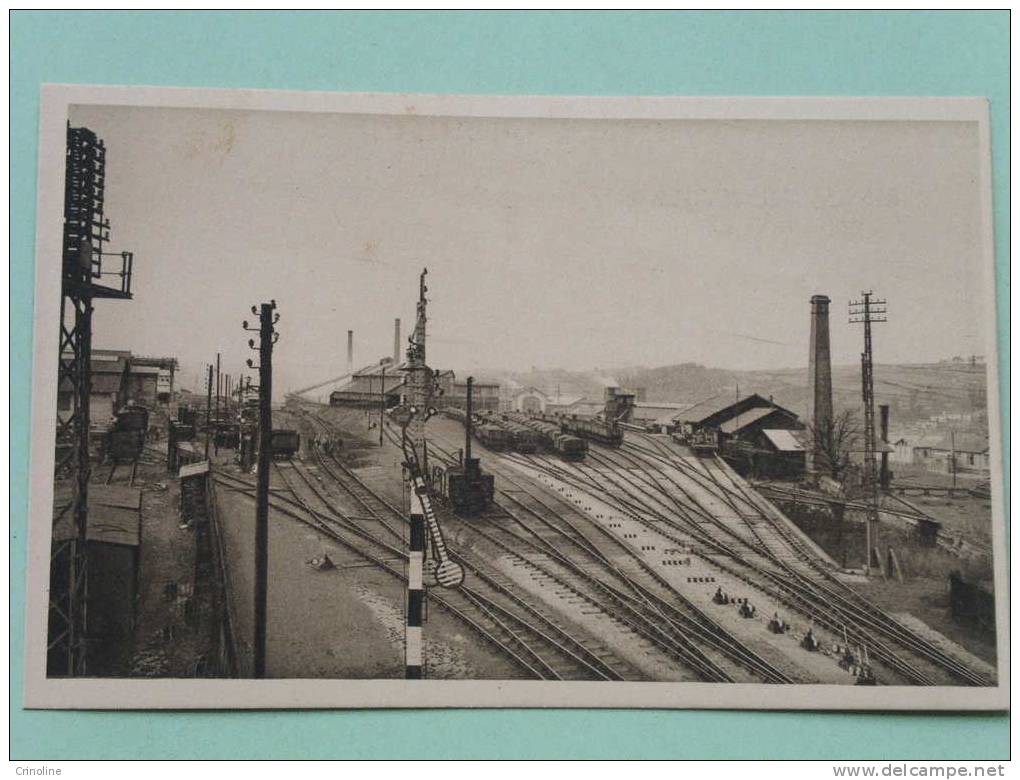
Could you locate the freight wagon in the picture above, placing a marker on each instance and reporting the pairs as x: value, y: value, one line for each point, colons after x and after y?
x: 285, y: 443
x: 493, y: 437
x: 566, y: 445
x: 608, y: 433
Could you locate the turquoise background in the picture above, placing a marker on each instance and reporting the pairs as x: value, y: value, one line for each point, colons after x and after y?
x: 674, y: 53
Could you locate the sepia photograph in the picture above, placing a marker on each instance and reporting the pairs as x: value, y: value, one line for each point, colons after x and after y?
x: 436, y: 400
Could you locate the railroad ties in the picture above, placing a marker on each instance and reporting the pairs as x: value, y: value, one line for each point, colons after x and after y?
x: 640, y: 557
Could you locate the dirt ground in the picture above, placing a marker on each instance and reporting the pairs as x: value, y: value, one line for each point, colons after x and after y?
x: 925, y: 590
x: 345, y: 623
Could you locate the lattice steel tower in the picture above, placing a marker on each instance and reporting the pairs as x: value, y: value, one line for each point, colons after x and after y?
x: 86, y: 230
x: 868, y: 311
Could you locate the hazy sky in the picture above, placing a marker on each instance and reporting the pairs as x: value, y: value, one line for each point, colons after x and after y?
x: 571, y: 243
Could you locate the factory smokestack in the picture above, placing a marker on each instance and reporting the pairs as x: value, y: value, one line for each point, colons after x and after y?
x: 396, y: 341
x: 819, y: 375
x: 350, y: 352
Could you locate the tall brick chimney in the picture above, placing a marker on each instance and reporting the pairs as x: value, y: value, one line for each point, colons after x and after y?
x: 819, y: 372
x: 350, y: 352
x: 396, y: 341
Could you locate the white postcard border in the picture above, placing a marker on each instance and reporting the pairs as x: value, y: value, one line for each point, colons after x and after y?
x: 93, y: 693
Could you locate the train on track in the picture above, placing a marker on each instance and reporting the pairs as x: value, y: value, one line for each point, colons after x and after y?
x: 464, y: 486
x: 552, y: 437
x: 527, y: 434
x: 494, y: 437
x: 125, y: 439
x: 703, y: 442
x: 607, y: 432
x: 285, y: 443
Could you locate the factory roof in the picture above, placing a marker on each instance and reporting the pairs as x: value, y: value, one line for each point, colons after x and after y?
x: 563, y: 400
x: 376, y: 369
x: 193, y: 469
x: 658, y: 411
x: 740, y: 421
x: 392, y: 384
x: 114, y: 515
x: 144, y: 370
x: 786, y: 441
x: 719, y: 403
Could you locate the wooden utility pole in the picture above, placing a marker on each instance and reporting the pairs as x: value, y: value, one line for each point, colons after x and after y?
x: 267, y: 337
x: 382, y: 405
x: 216, y: 444
x: 208, y: 410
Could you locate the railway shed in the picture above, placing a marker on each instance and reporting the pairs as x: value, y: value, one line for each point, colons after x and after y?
x: 744, y: 418
x: 366, y: 386
x: 114, y: 539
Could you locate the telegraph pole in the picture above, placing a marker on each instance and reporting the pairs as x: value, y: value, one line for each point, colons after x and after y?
x: 382, y: 405
x: 267, y: 338
x: 208, y: 410
x: 868, y: 311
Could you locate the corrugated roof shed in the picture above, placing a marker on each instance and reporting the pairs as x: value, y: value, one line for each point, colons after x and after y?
x: 114, y: 515
x: 144, y: 370
x: 663, y: 413
x: 193, y: 469
x: 706, y: 408
x: 563, y: 400
x: 786, y: 441
x: 742, y: 420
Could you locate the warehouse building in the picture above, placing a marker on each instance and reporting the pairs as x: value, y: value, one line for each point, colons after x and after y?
x: 368, y: 385
x: 485, y: 396
x: 117, y: 377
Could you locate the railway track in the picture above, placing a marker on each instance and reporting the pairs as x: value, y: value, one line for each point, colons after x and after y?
x: 753, y: 568
x: 534, y: 649
x: 641, y: 598
x: 802, y: 586
x: 536, y: 641
x: 836, y: 592
x: 115, y: 468
x: 757, y: 548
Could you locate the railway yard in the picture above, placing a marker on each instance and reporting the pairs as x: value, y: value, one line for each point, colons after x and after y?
x: 644, y: 561
x: 381, y: 536
x: 410, y: 522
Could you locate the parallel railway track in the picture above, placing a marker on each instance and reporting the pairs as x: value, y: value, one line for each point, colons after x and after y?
x: 643, y: 481
x: 640, y: 598
x: 835, y: 592
x: 638, y: 487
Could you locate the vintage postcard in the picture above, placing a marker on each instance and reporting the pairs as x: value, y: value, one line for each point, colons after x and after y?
x: 433, y: 400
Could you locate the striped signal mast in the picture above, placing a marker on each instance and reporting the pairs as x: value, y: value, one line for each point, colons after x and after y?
x: 448, y: 573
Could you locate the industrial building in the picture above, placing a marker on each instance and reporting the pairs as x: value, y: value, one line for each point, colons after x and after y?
x: 952, y: 453
x: 485, y: 396
x: 117, y: 377
x: 113, y: 537
x: 533, y: 400
x: 742, y: 418
x: 368, y: 385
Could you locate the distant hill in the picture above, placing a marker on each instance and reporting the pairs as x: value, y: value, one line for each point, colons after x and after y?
x: 914, y: 391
